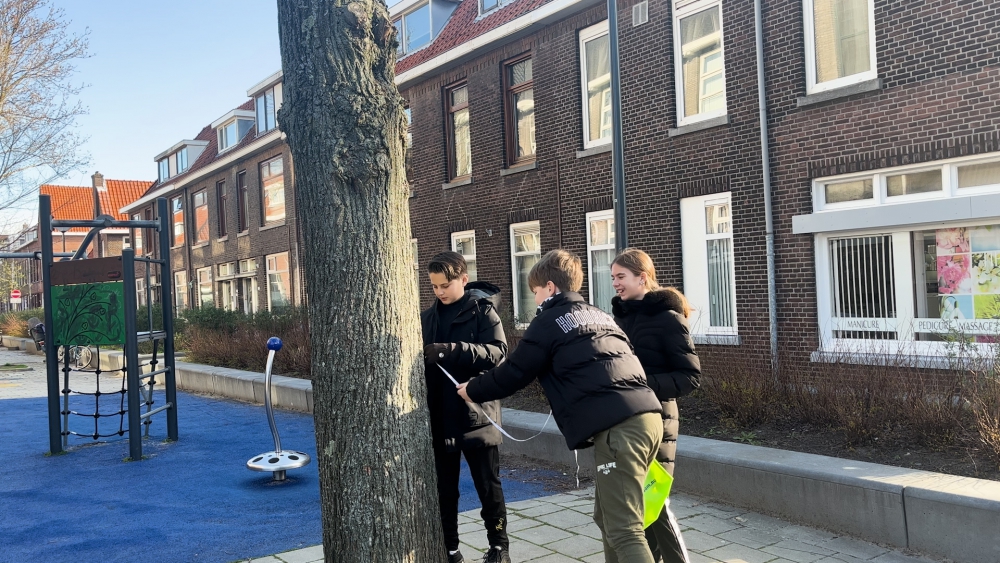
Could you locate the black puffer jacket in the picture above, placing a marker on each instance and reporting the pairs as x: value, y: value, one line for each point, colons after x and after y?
x: 481, y: 345
x: 659, y: 333
x: 585, y: 365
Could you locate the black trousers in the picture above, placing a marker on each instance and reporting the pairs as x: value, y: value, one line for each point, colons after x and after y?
x: 484, y: 464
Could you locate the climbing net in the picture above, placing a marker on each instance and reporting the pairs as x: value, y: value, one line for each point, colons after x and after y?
x: 84, y: 363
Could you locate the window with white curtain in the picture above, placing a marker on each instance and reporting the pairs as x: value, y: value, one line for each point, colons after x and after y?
x: 525, y: 250
x: 699, y: 60
x: 464, y: 243
x: 709, y: 273
x: 600, y: 254
x: 840, y: 43
x: 595, y: 73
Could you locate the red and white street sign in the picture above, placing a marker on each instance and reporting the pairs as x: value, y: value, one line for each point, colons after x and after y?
x: 15, y: 294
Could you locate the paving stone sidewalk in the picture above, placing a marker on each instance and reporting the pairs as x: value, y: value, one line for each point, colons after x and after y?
x: 559, y: 529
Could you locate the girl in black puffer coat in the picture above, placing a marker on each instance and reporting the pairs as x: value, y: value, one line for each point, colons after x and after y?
x: 655, y: 320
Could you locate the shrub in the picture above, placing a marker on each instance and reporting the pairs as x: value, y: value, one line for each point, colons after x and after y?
x: 232, y: 339
x: 15, y: 323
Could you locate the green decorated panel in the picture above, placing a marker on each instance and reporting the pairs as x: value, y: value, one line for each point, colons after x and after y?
x: 89, y: 314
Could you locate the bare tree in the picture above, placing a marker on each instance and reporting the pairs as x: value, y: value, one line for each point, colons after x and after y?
x: 37, y: 113
x: 345, y: 126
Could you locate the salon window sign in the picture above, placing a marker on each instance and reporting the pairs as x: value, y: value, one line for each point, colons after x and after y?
x: 968, y: 281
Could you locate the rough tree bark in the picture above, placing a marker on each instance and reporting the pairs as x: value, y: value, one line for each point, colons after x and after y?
x: 344, y: 120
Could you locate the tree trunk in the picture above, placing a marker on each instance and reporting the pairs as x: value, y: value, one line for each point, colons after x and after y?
x: 345, y: 126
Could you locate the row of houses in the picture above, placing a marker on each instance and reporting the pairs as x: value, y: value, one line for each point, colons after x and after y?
x: 882, y: 165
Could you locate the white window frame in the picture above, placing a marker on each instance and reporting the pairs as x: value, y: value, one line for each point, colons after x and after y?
x: 812, y: 87
x: 513, y: 262
x: 596, y: 216
x: 287, y: 272
x: 589, y: 34
x: 164, y: 168
x: 276, y: 99
x: 221, y: 134
x: 454, y: 247
x: 200, y: 283
x: 482, y: 12
x: 140, y: 291
x: 694, y: 254
x: 402, y: 27
x: 949, y: 184
x: 181, y: 289
x: 415, y: 264
x: 183, y: 152
x: 683, y: 9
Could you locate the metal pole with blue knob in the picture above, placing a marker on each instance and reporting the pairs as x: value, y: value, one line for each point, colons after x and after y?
x: 277, y: 461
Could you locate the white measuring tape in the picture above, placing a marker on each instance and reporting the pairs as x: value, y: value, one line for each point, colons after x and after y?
x: 504, y: 432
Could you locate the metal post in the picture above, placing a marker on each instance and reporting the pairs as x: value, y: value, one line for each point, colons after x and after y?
x: 617, y: 148
x: 166, y: 285
x: 51, y: 359
x: 132, y: 368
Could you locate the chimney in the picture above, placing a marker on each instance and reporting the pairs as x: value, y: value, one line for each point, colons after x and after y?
x: 98, y: 186
x: 98, y: 181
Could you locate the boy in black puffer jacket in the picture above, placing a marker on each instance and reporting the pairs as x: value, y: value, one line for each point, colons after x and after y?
x: 462, y: 332
x: 598, y: 393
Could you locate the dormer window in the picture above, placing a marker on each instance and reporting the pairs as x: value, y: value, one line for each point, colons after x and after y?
x: 414, y: 29
x: 182, y: 160
x: 164, y: 169
x: 267, y: 103
x: 488, y: 6
x: 232, y: 127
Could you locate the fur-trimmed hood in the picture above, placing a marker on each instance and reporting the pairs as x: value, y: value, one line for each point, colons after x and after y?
x: 653, y: 303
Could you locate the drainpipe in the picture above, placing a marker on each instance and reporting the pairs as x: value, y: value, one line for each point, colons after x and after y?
x: 765, y: 164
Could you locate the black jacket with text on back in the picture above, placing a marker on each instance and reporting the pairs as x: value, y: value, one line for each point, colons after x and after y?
x: 480, y: 345
x: 584, y: 363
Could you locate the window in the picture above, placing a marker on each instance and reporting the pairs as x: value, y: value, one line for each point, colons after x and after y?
x: 941, y: 180
x: 182, y: 160
x: 200, y: 217
x: 230, y: 133
x: 519, y: 111
x: 699, y: 60
x: 464, y: 243
x: 600, y: 254
x: 414, y: 29
x: 709, y: 276
x: 164, y: 169
x: 220, y: 198
x: 459, y: 140
x: 840, y: 43
x: 177, y: 218
x: 267, y: 104
x: 279, y: 288
x: 180, y: 291
x: 137, y: 236
x: 205, y: 295
x: 526, y: 250
x: 272, y: 189
x: 140, y: 292
x: 241, y: 201
x: 488, y: 5
x: 238, y: 286
x: 595, y: 72
x: 415, y: 263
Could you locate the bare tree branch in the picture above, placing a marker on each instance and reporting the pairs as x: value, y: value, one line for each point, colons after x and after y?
x: 38, y: 141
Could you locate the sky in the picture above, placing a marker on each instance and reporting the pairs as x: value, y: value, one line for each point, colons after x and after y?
x: 159, y: 72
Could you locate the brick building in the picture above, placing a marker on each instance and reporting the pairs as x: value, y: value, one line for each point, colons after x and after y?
x: 882, y: 128
x: 234, y: 239
x: 103, y: 197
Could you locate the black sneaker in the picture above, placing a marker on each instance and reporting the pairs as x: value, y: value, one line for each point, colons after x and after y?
x: 456, y: 557
x: 496, y: 554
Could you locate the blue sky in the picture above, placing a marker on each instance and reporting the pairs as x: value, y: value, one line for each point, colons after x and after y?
x: 160, y: 71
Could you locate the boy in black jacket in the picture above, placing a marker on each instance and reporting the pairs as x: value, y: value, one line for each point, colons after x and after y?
x: 462, y: 332
x: 598, y: 392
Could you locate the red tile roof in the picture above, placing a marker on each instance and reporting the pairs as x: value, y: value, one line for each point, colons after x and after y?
x: 120, y: 193
x: 463, y: 27
x: 77, y: 202
x: 70, y: 202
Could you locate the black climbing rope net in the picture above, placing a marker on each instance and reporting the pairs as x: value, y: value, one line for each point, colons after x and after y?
x: 81, y: 361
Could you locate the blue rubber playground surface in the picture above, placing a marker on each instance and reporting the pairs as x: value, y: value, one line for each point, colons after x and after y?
x: 193, y: 500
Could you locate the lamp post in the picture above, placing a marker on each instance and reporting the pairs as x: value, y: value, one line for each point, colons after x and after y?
x: 63, y: 231
x: 617, y: 150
